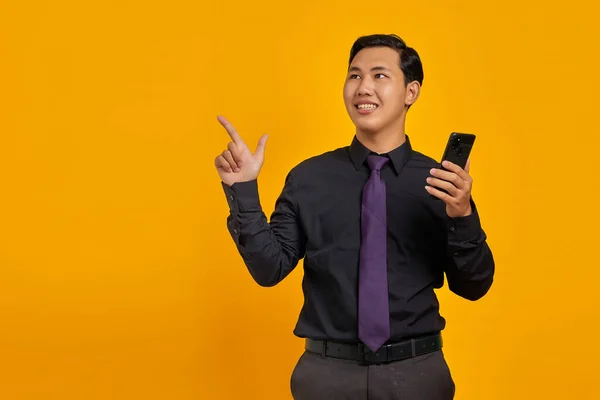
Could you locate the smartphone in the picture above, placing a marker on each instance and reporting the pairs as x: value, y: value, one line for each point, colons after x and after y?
x: 457, y: 151
x: 458, y: 148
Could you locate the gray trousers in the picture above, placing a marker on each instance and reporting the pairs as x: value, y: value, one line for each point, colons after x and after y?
x: 425, y: 377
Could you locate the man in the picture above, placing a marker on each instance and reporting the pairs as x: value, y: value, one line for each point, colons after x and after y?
x: 376, y: 234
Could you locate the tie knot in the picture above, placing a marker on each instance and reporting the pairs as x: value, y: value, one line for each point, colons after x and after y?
x: 376, y: 162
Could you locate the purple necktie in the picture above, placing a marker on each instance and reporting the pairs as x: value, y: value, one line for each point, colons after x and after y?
x: 373, y: 303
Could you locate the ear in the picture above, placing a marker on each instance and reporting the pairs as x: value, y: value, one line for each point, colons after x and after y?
x: 412, y: 93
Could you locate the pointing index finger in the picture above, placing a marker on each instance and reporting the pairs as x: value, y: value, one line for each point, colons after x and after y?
x: 231, y: 130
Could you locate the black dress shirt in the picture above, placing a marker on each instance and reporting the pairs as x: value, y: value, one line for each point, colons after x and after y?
x: 317, y: 218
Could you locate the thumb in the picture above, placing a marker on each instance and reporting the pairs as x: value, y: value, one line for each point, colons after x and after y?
x: 260, y: 148
x: 468, y: 165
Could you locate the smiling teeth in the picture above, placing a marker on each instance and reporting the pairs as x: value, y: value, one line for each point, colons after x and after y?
x: 367, y: 106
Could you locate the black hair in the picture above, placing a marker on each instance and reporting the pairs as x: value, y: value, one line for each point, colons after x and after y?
x: 410, y: 62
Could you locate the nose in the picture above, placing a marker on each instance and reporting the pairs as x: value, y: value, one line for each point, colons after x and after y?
x: 366, y: 87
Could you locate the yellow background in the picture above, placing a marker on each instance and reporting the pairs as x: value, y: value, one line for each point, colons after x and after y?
x: 118, y: 279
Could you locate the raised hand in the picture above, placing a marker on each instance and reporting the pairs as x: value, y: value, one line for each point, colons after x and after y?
x: 238, y: 163
x: 457, y: 183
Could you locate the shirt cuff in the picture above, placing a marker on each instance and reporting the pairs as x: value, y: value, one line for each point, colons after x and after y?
x: 464, y: 229
x: 242, y: 196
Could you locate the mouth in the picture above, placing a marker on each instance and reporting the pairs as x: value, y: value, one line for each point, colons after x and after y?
x: 366, y: 108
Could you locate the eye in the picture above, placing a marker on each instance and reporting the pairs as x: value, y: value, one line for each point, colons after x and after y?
x: 382, y: 75
x: 353, y: 76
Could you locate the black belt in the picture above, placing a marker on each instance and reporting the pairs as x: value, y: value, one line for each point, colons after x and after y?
x: 387, y: 353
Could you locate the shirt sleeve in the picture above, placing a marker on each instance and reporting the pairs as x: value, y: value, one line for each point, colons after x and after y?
x: 470, y: 268
x: 270, y: 250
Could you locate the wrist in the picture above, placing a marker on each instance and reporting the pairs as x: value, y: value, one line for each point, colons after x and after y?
x: 459, y: 214
x: 468, y: 212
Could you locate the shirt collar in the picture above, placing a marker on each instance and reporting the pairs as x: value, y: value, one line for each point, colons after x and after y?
x: 398, y: 157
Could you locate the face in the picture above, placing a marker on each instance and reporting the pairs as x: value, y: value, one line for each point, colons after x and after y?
x: 375, y: 94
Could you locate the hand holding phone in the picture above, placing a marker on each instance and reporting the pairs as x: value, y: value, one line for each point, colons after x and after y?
x: 452, y: 184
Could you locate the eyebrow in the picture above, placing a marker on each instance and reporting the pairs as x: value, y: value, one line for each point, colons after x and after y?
x: 377, y: 68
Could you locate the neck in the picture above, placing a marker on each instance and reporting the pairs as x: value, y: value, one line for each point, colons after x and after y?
x: 382, y: 141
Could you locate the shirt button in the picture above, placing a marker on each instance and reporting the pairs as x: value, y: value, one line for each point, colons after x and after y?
x: 231, y: 197
x: 452, y: 229
x: 235, y: 231
x: 456, y: 253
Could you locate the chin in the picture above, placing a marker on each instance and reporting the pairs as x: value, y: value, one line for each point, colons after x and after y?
x: 367, y: 126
